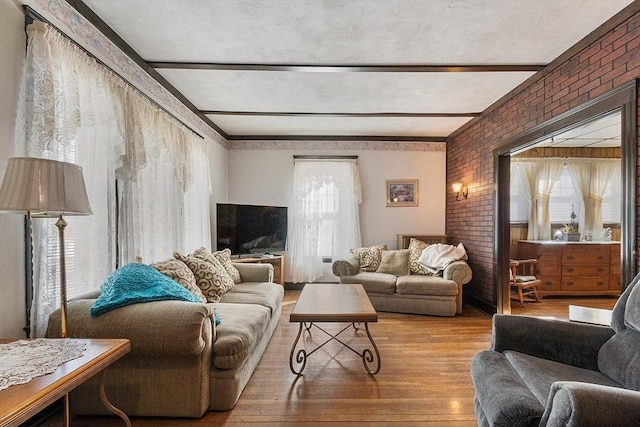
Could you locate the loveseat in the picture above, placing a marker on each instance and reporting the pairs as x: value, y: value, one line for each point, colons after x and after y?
x: 181, y: 364
x: 402, y: 285
x: 545, y: 372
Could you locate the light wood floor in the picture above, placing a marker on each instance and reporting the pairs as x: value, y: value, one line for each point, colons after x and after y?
x: 424, y: 379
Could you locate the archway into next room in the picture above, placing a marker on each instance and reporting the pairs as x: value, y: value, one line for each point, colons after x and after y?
x: 622, y: 99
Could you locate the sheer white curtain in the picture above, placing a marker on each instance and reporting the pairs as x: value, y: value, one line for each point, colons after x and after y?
x: 538, y: 178
x: 74, y: 109
x: 326, y: 220
x: 67, y: 112
x: 590, y: 178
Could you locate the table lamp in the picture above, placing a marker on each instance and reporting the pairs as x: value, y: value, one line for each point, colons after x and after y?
x: 43, y: 188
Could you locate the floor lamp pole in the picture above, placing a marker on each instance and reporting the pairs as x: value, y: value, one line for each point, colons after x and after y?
x: 61, y: 224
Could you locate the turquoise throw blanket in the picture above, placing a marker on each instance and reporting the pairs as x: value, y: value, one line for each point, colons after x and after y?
x: 135, y: 283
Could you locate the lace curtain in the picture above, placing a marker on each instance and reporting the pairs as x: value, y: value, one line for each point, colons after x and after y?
x: 74, y: 109
x: 326, y: 221
x: 590, y: 179
x: 538, y: 179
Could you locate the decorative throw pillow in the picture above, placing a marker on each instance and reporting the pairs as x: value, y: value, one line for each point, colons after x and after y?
x: 136, y: 283
x: 415, y: 250
x: 181, y: 273
x: 369, y: 258
x: 395, y: 262
x: 205, y: 255
x: 212, y: 279
x: 224, y: 256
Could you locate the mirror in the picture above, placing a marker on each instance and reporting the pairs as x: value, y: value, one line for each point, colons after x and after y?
x: 620, y: 101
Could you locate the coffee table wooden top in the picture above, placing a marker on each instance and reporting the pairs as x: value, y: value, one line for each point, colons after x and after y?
x: 328, y: 302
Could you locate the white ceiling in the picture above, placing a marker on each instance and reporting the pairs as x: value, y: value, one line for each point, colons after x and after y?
x: 515, y: 37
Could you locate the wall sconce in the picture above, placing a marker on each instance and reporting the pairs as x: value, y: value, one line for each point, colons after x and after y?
x: 461, y: 190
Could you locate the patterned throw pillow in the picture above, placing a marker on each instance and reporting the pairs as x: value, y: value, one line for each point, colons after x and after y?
x: 215, y: 259
x: 224, y: 256
x: 181, y: 273
x: 415, y: 250
x: 212, y: 279
x: 369, y: 258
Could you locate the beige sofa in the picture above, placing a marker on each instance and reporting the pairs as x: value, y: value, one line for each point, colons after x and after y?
x: 411, y: 293
x: 181, y: 364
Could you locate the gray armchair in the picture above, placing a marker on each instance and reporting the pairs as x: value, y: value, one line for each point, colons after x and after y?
x: 541, y: 372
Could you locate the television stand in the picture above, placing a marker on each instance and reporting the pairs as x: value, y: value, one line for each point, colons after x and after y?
x: 276, y: 260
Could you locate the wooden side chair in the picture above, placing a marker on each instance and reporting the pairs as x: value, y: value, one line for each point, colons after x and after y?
x: 522, y: 280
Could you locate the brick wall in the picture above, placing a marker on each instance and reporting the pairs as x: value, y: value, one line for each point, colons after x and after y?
x: 605, y: 64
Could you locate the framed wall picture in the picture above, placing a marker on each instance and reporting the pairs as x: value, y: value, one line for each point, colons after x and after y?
x: 402, y: 192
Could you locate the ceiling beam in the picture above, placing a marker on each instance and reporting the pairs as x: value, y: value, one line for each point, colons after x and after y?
x: 331, y: 114
x: 341, y: 68
x: 337, y: 138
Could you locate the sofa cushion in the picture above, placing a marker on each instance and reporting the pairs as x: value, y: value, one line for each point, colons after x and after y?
x: 619, y: 359
x: 181, y: 273
x: 538, y: 374
x: 370, y: 257
x: 218, y: 260
x: 266, y: 294
x: 379, y: 283
x: 242, y: 327
x: 394, y: 262
x: 212, y: 279
x: 415, y: 250
x: 426, y: 285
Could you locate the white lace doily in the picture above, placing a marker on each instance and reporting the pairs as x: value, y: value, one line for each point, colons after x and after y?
x: 21, y: 361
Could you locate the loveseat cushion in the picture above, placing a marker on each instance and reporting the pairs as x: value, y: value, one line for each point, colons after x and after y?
x: 266, y: 294
x: 242, y: 327
x: 619, y: 359
x: 379, y: 283
x: 426, y: 285
x: 538, y: 374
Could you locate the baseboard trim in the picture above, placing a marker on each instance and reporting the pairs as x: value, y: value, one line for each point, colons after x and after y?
x: 480, y: 305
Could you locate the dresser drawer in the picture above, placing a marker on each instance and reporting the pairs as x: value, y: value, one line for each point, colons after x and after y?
x: 585, y: 284
x: 550, y: 283
x: 585, y: 270
x: 587, y: 247
x: 585, y: 258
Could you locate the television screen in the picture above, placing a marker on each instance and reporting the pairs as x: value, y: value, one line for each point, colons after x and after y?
x: 249, y: 229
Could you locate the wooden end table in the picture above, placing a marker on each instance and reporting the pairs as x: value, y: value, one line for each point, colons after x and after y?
x: 323, y: 302
x: 20, y: 402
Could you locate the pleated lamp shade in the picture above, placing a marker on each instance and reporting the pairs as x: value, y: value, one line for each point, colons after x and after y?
x: 44, y: 187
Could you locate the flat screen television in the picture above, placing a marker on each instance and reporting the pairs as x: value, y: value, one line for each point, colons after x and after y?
x: 251, y: 229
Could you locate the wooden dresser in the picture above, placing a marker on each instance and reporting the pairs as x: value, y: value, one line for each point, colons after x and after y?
x: 575, y: 268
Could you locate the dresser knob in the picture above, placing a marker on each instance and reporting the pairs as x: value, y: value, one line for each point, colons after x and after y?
x: 570, y: 269
x: 570, y: 257
x: 569, y: 283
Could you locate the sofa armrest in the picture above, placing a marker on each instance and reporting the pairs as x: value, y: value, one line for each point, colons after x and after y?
x: 255, y: 272
x: 458, y: 271
x: 159, y: 328
x: 574, y: 344
x: 590, y: 405
x: 346, y: 267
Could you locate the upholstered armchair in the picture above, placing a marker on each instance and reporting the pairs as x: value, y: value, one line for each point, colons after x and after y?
x: 544, y: 372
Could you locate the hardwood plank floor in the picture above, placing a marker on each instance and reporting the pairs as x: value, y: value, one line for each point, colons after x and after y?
x: 424, y: 379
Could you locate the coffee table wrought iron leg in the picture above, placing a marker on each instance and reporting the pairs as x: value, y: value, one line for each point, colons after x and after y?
x: 108, y: 404
x: 301, y: 355
x: 356, y: 325
x: 368, y: 357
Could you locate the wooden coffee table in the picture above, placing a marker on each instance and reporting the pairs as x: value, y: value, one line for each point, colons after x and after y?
x: 324, y: 302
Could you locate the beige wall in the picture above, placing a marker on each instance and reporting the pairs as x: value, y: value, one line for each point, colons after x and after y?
x: 12, y: 45
x: 264, y: 177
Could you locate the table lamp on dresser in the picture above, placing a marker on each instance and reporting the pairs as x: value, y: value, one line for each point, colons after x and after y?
x: 42, y: 188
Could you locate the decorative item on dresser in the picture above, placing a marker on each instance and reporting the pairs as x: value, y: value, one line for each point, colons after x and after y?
x: 574, y: 268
